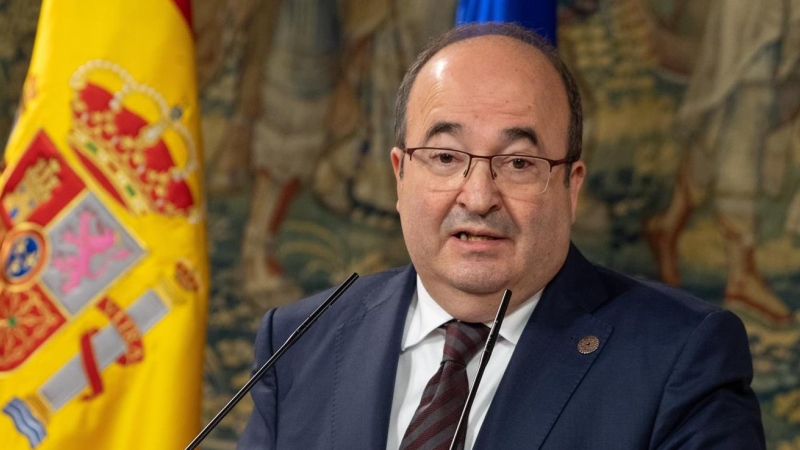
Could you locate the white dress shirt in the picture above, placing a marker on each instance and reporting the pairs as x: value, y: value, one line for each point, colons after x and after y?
x: 421, y: 354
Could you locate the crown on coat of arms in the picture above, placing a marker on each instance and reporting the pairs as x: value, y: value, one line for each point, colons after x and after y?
x: 132, y: 141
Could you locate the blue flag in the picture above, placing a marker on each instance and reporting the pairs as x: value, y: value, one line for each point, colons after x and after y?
x: 536, y: 15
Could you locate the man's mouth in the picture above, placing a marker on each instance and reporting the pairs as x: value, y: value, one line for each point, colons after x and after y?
x: 474, y: 237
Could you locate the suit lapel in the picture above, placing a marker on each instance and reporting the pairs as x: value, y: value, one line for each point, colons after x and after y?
x: 367, y: 350
x: 546, y: 366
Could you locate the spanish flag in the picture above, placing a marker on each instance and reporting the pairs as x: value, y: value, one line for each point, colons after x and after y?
x: 103, y: 264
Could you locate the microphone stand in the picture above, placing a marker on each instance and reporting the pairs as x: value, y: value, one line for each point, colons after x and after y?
x: 271, y: 361
x: 485, y: 355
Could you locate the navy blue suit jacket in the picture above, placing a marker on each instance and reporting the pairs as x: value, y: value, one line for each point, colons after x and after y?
x: 671, y: 372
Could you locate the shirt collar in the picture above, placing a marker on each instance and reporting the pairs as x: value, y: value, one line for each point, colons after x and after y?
x: 425, y: 315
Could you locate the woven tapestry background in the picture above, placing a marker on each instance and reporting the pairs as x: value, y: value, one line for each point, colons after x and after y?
x: 692, y: 139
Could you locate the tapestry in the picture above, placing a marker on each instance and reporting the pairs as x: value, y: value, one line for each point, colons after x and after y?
x: 692, y: 141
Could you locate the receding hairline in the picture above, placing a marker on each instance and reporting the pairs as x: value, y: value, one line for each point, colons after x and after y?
x: 515, y: 42
x: 517, y: 46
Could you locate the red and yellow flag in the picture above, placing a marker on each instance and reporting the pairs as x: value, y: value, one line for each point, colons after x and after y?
x: 103, y: 265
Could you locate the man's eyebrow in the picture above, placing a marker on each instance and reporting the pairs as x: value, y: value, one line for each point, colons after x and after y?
x: 518, y: 133
x: 442, y: 128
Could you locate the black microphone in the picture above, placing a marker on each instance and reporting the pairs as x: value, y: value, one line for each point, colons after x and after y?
x: 271, y: 362
x: 485, y: 355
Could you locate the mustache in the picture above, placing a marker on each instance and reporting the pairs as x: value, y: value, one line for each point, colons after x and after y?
x: 495, y: 222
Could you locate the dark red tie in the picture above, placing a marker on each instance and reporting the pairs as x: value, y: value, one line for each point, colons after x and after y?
x: 435, y: 420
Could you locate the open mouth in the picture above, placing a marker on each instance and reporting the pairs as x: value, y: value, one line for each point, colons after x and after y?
x: 463, y: 236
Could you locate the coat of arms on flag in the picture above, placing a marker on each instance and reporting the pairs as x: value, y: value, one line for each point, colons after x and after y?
x: 102, y: 248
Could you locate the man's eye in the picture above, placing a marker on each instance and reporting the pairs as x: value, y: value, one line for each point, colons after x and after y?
x: 445, y: 158
x: 521, y: 163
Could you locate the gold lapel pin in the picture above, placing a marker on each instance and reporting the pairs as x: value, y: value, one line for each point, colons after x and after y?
x: 588, y: 344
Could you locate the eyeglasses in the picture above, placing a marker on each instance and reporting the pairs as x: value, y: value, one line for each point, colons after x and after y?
x: 521, y: 174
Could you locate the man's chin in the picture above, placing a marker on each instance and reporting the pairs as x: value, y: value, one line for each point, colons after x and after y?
x: 481, y: 283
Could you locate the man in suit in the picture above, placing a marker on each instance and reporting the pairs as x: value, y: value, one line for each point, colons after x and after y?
x: 488, y: 171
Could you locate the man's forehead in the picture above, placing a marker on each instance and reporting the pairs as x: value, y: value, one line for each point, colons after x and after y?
x: 474, y: 50
x: 497, y: 69
x: 486, y: 59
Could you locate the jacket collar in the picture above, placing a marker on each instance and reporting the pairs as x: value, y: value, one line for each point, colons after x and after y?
x: 366, y: 352
x: 547, y: 367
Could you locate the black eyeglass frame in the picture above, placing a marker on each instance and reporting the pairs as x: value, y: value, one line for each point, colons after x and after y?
x: 551, y: 162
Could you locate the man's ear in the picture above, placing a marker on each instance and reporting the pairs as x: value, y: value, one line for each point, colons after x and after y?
x: 397, y: 157
x: 576, y: 177
x: 397, y: 163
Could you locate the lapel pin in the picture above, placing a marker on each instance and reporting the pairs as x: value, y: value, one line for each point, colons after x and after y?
x: 588, y: 344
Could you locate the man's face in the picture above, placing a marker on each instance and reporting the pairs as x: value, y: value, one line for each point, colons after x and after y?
x: 486, y: 96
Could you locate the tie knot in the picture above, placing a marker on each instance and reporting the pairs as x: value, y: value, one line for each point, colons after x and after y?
x: 463, y: 340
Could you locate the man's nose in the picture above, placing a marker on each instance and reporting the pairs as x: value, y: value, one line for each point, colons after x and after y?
x: 479, y: 193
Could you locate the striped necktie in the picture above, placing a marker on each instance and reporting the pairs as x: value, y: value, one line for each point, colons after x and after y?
x: 435, y: 420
